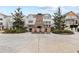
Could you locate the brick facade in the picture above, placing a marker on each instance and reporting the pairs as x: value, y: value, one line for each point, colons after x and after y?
x: 39, y: 25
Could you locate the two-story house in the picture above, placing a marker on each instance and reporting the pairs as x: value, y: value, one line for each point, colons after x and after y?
x: 2, y: 21
x: 39, y: 22
x: 71, y: 18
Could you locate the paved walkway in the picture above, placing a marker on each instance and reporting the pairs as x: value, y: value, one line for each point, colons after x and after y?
x: 28, y: 42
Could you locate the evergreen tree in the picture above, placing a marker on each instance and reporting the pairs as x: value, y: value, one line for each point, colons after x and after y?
x: 18, y: 17
x: 59, y: 20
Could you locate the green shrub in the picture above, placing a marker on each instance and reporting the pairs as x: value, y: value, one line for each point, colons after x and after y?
x: 62, y: 32
x: 10, y: 31
x: 56, y: 31
x: 17, y: 30
x: 67, y: 31
x: 20, y: 30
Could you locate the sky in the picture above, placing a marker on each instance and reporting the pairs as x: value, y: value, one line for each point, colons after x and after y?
x: 39, y: 2
x: 7, y: 10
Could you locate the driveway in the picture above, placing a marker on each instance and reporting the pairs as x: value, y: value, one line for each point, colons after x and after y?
x: 39, y: 43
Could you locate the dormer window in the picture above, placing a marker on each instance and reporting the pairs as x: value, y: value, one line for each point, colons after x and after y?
x: 1, y: 19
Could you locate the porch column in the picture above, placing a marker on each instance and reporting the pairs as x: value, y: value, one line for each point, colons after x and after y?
x: 48, y: 30
x: 33, y: 30
x: 43, y: 30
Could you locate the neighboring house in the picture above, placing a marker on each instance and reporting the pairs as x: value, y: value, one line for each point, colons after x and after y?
x: 48, y: 20
x: 5, y: 21
x: 2, y: 21
x: 8, y: 22
x: 31, y: 19
x: 71, y: 19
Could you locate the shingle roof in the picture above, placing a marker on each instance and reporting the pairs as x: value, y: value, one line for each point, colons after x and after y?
x: 71, y: 13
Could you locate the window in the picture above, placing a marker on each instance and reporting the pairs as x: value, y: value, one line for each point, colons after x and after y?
x: 1, y: 19
x: 47, y: 17
x: 1, y: 23
x: 30, y: 21
x: 47, y: 22
x: 30, y: 25
x: 34, y: 17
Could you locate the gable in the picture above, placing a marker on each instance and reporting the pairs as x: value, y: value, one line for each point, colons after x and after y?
x: 71, y: 15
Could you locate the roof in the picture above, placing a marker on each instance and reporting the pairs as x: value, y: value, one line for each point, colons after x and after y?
x: 34, y: 15
x: 71, y: 14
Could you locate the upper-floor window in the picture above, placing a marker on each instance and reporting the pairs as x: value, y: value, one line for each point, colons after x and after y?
x: 30, y: 25
x: 1, y: 19
x: 47, y: 17
x: 47, y: 22
x: 31, y: 16
x: 30, y: 21
x: 71, y: 20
